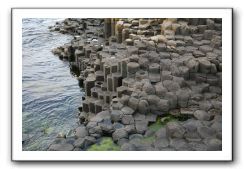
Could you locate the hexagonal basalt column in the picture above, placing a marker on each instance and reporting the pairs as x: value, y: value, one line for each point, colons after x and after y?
x: 117, y: 80
x: 89, y: 83
x: 154, y: 73
x: 141, y: 74
x: 106, y: 70
x: 109, y: 83
x: 123, y: 66
x: 132, y: 68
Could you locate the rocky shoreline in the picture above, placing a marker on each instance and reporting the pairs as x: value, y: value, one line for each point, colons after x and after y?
x: 150, y: 84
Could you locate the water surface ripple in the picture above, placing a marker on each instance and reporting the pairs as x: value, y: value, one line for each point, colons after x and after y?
x: 50, y: 95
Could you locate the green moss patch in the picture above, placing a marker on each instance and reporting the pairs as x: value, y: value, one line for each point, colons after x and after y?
x: 150, y: 139
x: 106, y: 144
x: 156, y: 126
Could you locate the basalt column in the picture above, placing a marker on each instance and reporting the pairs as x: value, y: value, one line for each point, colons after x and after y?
x: 107, y: 28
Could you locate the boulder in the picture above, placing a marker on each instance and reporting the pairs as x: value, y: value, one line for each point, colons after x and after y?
x: 204, y: 65
x: 119, y: 134
x: 161, y: 143
x: 101, y: 116
x: 180, y: 144
x: 163, y: 105
x: 127, y: 119
x: 182, y: 97
x: 141, y: 126
x: 213, y: 144
x: 143, y: 106
x: 61, y: 147
x: 206, y: 132
x: 172, y: 98
x: 128, y: 147
x: 171, y: 85
x: 133, y: 103
x: 148, y: 88
x: 127, y: 110
x: 135, y: 136
x: 192, y: 136
x: 79, y: 143
x: 153, y: 99
x: 116, y: 115
x: 81, y: 132
x: 201, y: 115
x: 106, y: 126
x: 191, y: 125
x: 175, y: 130
x: 160, y: 90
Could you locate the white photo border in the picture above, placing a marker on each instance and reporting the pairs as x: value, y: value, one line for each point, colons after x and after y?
x: 16, y: 51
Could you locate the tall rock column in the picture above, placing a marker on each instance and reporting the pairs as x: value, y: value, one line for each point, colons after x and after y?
x: 107, y: 28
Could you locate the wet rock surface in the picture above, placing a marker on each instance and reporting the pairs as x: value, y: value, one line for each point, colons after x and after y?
x: 140, y: 73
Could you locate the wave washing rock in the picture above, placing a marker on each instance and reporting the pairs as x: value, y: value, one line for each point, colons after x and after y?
x: 135, y: 71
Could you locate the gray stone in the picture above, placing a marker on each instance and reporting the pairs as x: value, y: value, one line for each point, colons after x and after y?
x: 101, y: 116
x: 205, y: 48
x: 141, y: 75
x: 153, y: 99
x: 143, y: 107
x: 191, y: 125
x: 135, y: 136
x: 206, y: 132
x: 166, y: 75
x: 127, y: 119
x: 132, y: 68
x: 193, y: 65
x: 119, y: 134
x: 81, y: 132
x: 133, y: 103
x: 106, y: 126
x: 141, y: 126
x: 204, y: 65
x: 160, y: 90
x: 208, y: 34
x: 172, y: 98
x: 201, y: 115
x: 151, y: 117
x: 213, y: 144
x: 175, y: 130
x: 127, y: 110
x: 61, y: 147
x: 163, y: 105
x: 130, y: 128
x: 117, y: 125
x: 180, y: 145
x: 116, y: 115
x: 122, y: 141
x: 89, y: 140
x: 196, y: 146
x: 161, y: 143
x: 165, y: 64
x: 205, y: 105
x: 148, y: 88
x: 198, y: 53
x: 217, y: 126
x: 139, y: 117
x: 79, y: 143
x: 182, y: 98
x: 128, y: 147
x: 192, y: 136
x: 171, y: 85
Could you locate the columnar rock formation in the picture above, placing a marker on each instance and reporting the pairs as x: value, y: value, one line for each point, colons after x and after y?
x: 135, y: 71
